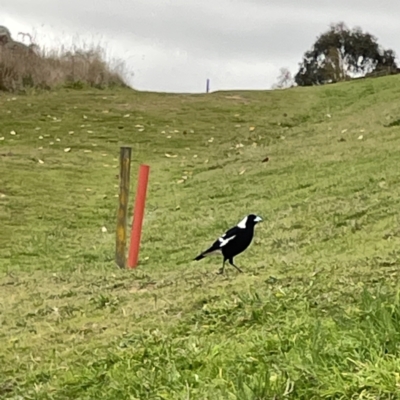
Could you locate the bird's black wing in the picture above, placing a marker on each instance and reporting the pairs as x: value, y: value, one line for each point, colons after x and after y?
x: 223, y: 240
x: 230, y: 233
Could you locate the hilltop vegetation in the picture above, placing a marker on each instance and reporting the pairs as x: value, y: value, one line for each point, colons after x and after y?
x: 24, y: 68
x: 341, y: 54
x: 315, y: 313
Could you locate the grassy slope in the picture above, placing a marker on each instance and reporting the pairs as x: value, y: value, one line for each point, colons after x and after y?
x: 315, y: 314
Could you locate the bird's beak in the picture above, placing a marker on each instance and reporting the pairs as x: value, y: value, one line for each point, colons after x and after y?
x: 258, y: 219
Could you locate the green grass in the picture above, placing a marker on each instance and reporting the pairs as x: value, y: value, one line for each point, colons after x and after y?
x: 316, y: 313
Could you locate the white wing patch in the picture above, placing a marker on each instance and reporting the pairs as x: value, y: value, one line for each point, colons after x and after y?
x: 224, y: 242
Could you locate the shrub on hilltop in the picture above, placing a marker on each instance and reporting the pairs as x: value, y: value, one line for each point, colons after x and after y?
x: 23, y: 67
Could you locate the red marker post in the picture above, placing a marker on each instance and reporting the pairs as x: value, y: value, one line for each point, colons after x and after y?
x: 138, y: 214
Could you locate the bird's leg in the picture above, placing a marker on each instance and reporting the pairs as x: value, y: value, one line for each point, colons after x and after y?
x: 231, y: 262
x: 221, y: 270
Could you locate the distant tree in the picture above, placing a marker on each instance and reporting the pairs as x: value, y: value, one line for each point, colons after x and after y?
x: 284, y: 80
x: 342, y: 53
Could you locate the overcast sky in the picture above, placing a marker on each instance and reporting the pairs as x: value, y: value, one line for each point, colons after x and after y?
x: 175, y: 45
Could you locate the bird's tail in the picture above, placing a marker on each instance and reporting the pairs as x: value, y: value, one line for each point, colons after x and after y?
x: 199, y: 257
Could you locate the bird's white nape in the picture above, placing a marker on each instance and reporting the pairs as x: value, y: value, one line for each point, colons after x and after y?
x: 242, y: 223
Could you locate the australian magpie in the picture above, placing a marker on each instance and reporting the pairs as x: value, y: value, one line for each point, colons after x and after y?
x: 233, y: 242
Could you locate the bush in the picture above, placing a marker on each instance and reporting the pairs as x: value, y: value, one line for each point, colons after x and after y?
x: 23, y: 67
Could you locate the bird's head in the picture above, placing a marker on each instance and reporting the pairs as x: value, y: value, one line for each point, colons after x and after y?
x: 253, y: 219
x: 249, y: 221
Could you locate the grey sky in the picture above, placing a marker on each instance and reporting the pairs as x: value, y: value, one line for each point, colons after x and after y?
x: 175, y: 45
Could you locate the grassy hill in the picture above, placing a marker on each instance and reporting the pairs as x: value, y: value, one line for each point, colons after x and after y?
x: 316, y: 313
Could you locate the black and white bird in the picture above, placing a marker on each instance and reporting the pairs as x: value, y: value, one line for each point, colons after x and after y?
x: 233, y: 242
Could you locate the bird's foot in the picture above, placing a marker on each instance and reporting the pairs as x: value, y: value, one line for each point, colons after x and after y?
x: 238, y: 269
x: 220, y: 271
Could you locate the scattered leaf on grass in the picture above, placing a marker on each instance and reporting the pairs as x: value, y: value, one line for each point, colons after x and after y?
x: 37, y: 128
x: 344, y: 130
x: 242, y: 171
x: 170, y: 155
x: 89, y: 131
x: 58, y: 139
x: 195, y: 156
x: 67, y: 149
x: 13, y: 133
x: 266, y: 159
x: 104, y: 229
x: 87, y: 151
x: 51, y: 143
x: 252, y: 128
x: 360, y: 137
x: 40, y: 137
x: 210, y: 140
x: 328, y: 115
x: 2, y: 138
x: 181, y: 181
x: 40, y: 161
x: 127, y: 115
x: 168, y: 137
x: 84, y: 117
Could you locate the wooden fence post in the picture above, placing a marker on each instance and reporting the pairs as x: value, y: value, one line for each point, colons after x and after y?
x: 124, y: 180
